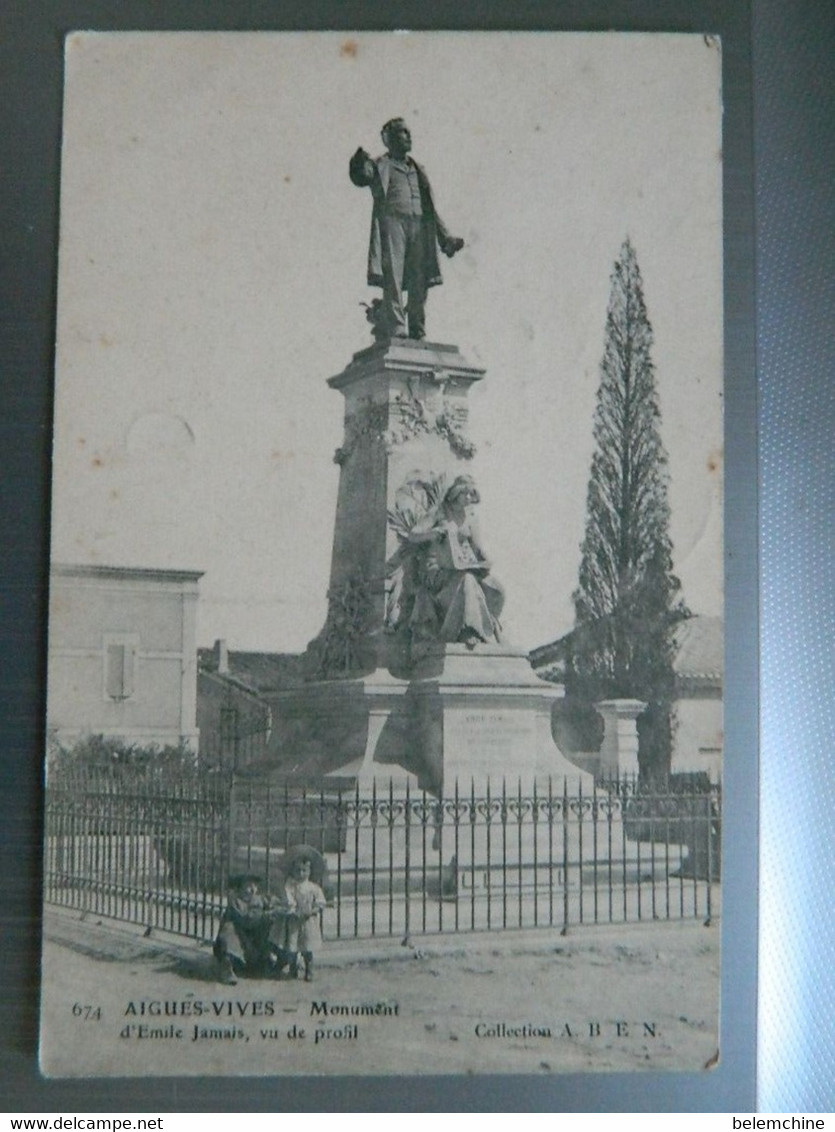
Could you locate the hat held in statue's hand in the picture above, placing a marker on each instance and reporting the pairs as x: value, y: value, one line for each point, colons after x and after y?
x: 451, y: 245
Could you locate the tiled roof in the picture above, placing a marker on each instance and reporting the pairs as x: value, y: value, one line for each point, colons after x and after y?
x: 262, y: 672
x: 700, y: 654
x: 700, y: 648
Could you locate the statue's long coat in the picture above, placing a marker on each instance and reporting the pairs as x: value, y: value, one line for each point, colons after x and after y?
x: 376, y: 173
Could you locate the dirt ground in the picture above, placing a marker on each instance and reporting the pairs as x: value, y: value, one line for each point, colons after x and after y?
x: 607, y: 998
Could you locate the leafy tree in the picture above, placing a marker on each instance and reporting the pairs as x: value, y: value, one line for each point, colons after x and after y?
x: 627, y: 603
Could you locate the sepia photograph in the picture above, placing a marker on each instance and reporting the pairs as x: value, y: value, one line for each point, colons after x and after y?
x: 386, y: 623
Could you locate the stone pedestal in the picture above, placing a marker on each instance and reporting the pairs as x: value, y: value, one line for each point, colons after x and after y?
x: 465, y: 716
x: 619, y: 750
x: 354, y: 730
x: 405, y: 412
x: 376, y: 708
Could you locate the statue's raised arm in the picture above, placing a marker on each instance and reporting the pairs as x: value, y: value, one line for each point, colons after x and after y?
x: 406, y: 233
x: 361, y: 168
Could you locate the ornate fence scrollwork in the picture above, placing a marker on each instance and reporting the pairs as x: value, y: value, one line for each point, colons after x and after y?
x: 159, y: 852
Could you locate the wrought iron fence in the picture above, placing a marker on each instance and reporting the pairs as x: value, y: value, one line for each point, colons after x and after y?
x: 399, y: 862
x: 148, y: 848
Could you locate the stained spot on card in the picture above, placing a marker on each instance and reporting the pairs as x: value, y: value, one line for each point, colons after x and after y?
x: 287, y: 179
x: 86, y: 550
x: 159, y: 436
x: 81, y: 442
x: 349, y: 49
x: 105, y: 340
x: 278, y: 454
x: 59, y: 605
x: 97, y: 462
x: 714, y: 460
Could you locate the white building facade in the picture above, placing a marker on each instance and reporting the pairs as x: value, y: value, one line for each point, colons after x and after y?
x: 123, y: 654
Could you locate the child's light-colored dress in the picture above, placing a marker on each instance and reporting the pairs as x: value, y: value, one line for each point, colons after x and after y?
x: 303, y: 900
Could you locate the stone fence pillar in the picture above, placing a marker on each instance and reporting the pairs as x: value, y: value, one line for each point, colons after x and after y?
x: 619, y: 750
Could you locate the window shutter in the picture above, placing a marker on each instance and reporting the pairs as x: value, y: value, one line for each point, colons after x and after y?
x: 120, y: 670
x: 116, y: 671
x: 128, y: 671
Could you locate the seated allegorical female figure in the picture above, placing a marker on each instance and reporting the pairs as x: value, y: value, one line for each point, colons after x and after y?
x: 468, y: 600
x: 445, y: 591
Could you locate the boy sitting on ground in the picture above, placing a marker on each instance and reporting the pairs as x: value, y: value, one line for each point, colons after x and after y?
x: 243, y: 945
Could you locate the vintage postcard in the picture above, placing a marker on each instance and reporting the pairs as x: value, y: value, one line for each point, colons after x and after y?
x: 386, y: 601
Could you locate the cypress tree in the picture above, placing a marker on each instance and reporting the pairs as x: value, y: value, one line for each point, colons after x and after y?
x: 627, y: 602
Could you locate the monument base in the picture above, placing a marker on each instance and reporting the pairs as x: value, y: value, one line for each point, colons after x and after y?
x: 452, y: 782
x: 347, y: 732
x: 467, y: 716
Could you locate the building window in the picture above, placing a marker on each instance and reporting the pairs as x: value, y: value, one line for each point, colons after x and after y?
x: 120, y: 666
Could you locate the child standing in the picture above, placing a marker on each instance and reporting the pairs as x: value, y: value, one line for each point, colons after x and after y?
x: 303, y: 901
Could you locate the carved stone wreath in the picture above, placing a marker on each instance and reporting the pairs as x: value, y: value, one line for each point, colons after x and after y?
x: 365, y: 427
x: 348, y: 621
x: 368, y: 426
x: 416, y: 421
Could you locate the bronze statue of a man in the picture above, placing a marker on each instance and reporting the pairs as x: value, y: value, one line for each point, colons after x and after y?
x: 406, y: 232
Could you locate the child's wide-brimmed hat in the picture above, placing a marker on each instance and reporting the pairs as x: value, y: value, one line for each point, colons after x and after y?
x: 296, y: 853
x: 238, y: 880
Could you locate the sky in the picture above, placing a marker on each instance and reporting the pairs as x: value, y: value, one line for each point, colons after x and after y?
x: 212, y: 266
